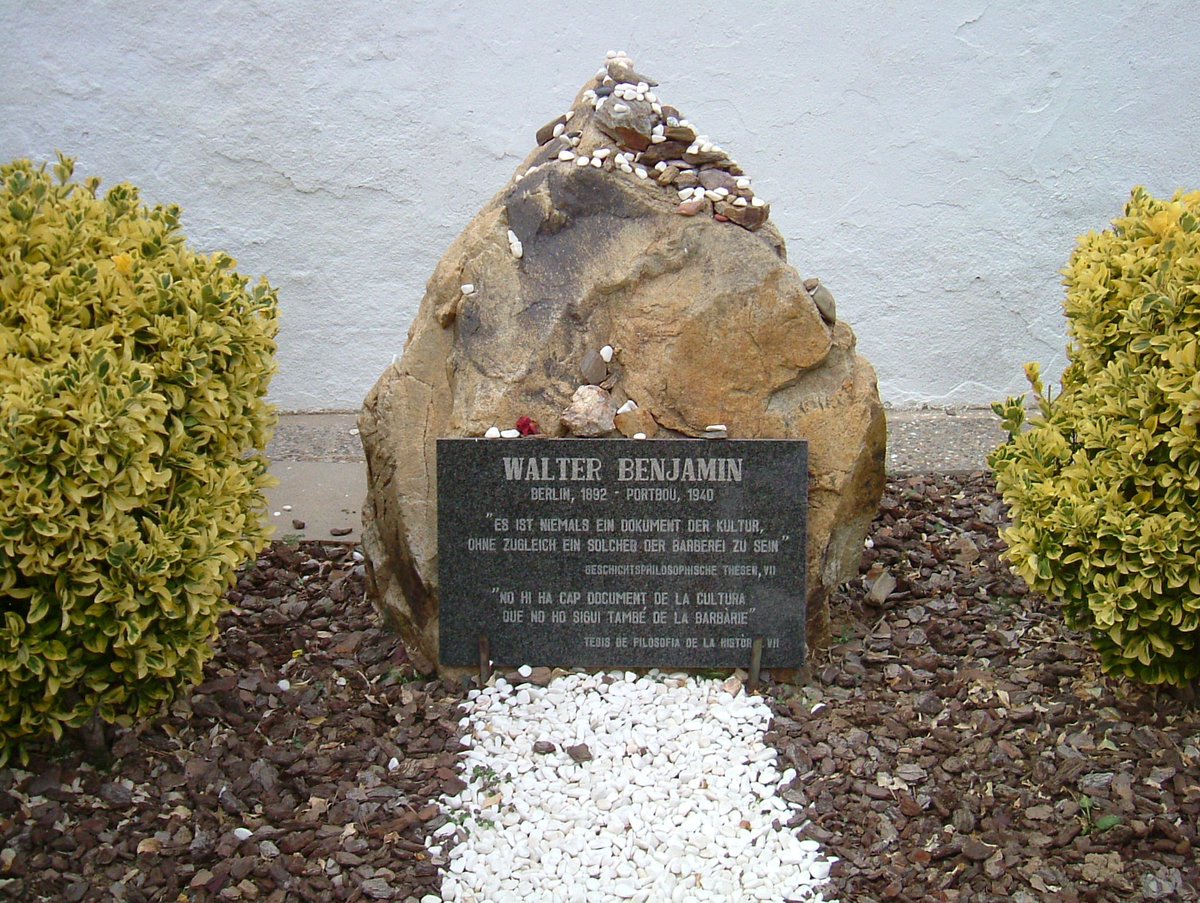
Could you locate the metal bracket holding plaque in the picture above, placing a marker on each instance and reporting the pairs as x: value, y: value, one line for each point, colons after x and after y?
x: 622, y: 553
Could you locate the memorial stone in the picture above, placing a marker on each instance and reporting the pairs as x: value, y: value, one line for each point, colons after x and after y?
x: 618, y: 553
x: 628, y: 281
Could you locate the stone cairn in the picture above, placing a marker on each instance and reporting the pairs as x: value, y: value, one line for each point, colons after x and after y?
x: 652, y: 141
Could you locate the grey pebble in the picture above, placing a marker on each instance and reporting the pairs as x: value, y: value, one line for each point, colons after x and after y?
x: 593, y: 368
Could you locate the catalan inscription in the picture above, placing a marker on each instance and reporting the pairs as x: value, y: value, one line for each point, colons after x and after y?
x: 609, y: 553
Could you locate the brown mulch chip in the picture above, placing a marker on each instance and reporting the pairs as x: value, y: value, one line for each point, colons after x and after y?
x: 307, y: 767
x: 969, y: 748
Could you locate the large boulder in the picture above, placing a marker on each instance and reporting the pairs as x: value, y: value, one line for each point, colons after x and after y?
x: 704, y: 321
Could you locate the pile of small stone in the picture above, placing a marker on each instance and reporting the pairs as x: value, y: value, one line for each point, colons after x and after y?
x: 653, y: 142
x: 610, y: 786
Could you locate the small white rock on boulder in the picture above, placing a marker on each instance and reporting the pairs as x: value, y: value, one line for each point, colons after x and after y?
x: 710, y: 326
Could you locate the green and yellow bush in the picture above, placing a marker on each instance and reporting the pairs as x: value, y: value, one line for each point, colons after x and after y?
x: 133, y: 375
x: 1104, y: 484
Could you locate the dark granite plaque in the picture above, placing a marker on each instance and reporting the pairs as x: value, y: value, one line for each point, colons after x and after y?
x: 611, y: 553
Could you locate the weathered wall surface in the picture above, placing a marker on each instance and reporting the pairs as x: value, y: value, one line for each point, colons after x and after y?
x: 932, y: 162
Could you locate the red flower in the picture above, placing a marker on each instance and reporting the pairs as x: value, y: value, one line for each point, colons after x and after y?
x: 527, y: 426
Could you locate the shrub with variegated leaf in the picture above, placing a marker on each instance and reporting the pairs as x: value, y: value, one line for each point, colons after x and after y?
x: 133, y: 375
x: 1104, y: 484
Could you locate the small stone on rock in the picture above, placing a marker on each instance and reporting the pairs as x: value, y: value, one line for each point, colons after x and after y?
x: 593, y: 368
x: 493, y: 432
x: 590, y: 413
x: 638, y: 420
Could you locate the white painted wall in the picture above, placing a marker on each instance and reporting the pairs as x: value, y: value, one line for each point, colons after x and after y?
x: 932, y: 161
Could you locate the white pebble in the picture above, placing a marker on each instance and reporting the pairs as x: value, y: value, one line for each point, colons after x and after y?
x: 518, y: 251
x: 743, y: 182
x: 606, y: 353
x: 714, y: 427
x: 566, y: 155
x: 512, y: 237
x: 567, y: 115
x: 657, y: 139
x: 699, y: 803
x: 597, y: 162
x: 284, y: 685
x: 684, y: 193
x: 468, y: 288
x: 630, y: 405
x: 820, y: 869
x: 712, y: 195
x: 757, y: 202
x: 243, y: 833
x: 393, y: 764
x: 722, y: 191
x: 524, y: 670
x: 641, y: 172
x: 493, y: 432
x: 660, y: 166
x: 510, y: 434
x: 652, y: 97
x: 741, y: 202
x: 620, y: 108
x: 657, y: 108
x: 582, y: 161
x: 601, y: 152
x: 611, y: 55
x: 277, y: 513
x: 639, y: 435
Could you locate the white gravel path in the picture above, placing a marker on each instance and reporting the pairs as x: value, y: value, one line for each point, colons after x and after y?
x: 678, y: 802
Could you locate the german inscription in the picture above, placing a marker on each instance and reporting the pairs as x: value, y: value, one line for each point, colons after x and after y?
x: 609, y: 552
